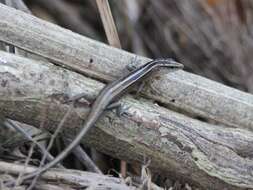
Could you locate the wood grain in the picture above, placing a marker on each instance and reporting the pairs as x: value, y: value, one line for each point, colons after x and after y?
x: 189, y: 93
x: 207, y: 155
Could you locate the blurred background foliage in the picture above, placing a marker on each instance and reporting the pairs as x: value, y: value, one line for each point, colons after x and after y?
x: 212, y: 38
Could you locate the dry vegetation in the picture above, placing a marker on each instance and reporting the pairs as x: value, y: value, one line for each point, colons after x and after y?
x: 212, y: 38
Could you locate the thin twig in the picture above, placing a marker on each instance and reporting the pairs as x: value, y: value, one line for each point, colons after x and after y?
x: 84, y: 158
x: 28, y: 137
x: 25, y: 166
x: 58, y: 129
x: 108, y: 23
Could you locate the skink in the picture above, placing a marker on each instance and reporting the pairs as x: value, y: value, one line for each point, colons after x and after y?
x: 105, y: 97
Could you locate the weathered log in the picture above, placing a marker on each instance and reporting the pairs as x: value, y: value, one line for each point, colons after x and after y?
x: 184, y: 91
x: 69, y: 177
x: 208, y: 155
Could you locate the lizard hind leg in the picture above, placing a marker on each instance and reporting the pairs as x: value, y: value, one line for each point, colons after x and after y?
x: 118, y: 107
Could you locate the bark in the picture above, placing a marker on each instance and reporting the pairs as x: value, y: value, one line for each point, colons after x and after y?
x: 191, y: 94
x: 67, y: 177
x: 210, y: 156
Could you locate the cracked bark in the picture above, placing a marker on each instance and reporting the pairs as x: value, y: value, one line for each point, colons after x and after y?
x: 210, y: 156
x: 182, y: 91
